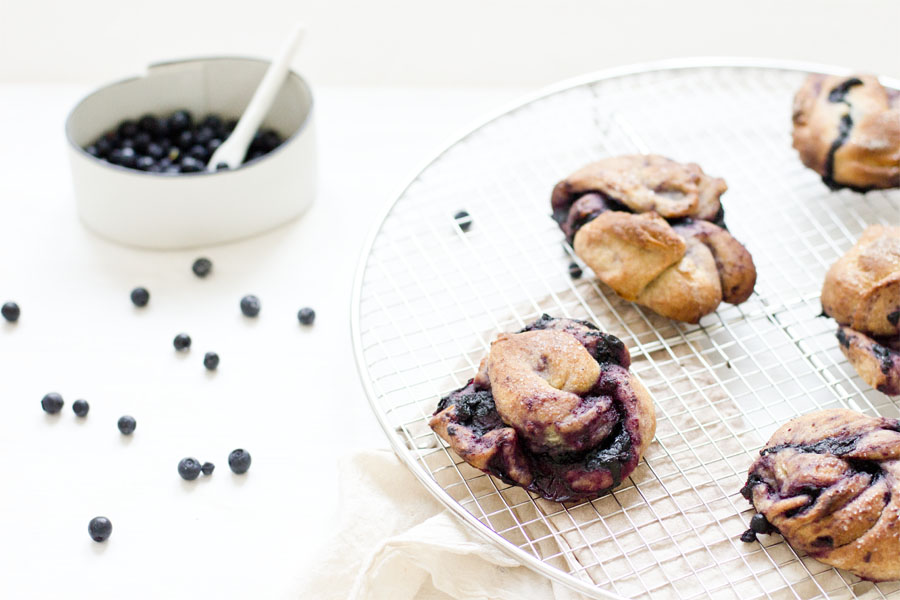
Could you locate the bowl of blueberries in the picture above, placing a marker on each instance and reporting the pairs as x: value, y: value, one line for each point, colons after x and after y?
x: 140, y: 149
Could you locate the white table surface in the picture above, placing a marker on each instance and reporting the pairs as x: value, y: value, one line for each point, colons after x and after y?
x: 288, y: 394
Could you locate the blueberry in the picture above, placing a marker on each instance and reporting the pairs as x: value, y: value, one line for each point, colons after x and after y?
x: 145, y: 163
x: 11, y: 312
x: 140, y: 296
x: 92, y: 150
x: 127, y: 128
x: 154, y: 168
x: 748, y: 536
x: 202, y: 267
x: 189, y: 468
x: 52, y: 403
x: 230, y: 124
x: 80, y: 408
x: 149, y: 124
x: 253, y: 155
x: 204, y: 135
x: 222, y: 166
x: 180, y: 120
x: 185, y: 139
x: 127, y: 425
x: 126, y: 143
x: 125, y: 157
x: 155, y: 151
x: 212, y: 121
x: 463, y: 220
x: 250, y: 306
x: 575, y: 271
x: 239, y: 461
x: 760, y: 524
x: 141, y: 141
x: 189, y: 164
x: 199, y: 152
x: 172, y: 169
x: 269, y: 140
x: 182, y: 342
x: 99, y: 529
x: 306, y: 316
x: 211, y: 361
x: 103, y: 146
x: 207, y: 468
x: 213, y: 145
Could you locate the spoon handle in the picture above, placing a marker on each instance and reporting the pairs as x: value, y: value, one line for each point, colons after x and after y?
x: 233, y: 150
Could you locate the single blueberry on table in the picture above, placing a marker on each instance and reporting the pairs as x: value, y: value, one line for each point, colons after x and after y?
x: 239, y: 461
x: 463, y: 220
x: 127, y: 425
x: 99, y: 529
x: 11, y: 312
x: 211, y: 361
x: 748, y: 536
x: 306, y: 316
x: 759, y: 524
x: 207, y: 468
x: 182, y: 342
x: 250, y: 305
x: 189, y: 469
x: 80, y: 408
x: 52, y: 403
x: 202, y: 267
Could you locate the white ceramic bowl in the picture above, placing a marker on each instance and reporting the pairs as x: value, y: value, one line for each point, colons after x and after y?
x: 156, y: 210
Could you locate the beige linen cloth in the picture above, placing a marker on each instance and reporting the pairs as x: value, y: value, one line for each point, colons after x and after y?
x: 396, y: 542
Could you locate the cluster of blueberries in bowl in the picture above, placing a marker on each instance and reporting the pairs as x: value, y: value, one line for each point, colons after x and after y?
x: 174, y: 144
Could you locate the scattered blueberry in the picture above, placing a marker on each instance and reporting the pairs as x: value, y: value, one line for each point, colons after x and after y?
x: 250, y: 306
x: 182, y: 342
x: 52, y: 403
x: 127, y: 425
x: 140, y: 296
x: 211, y: 361
x: 239, y: 461
x: 575, y: 271
x: 759, y: 524
x: 748, y: 536
x: 306, y: 316
x: 80, y: 408
x: 99, y: 529
x: 11, y: 312
x: 202, y: 267
x: 207, y: 468
x: 189, y: 469
x: 463, y: 220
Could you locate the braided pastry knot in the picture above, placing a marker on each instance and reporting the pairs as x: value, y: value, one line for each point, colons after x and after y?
x: 553, y: 409
x: 862, y: 293
x: 653, y: 230
x: 828, y: 482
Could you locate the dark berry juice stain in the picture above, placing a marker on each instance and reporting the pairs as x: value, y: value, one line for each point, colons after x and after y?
x: 839, y: 94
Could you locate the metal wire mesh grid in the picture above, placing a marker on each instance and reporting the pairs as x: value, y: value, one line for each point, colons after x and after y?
x: 431, y: 297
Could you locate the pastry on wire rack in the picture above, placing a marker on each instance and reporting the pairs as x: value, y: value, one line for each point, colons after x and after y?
x: 653, y: 230
x: 862, y: 293
x: 829, y: 482
x: 847, y: 129
x: 554, y: 409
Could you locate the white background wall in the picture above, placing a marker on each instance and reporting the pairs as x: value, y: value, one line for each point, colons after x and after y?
x: 445, y: 43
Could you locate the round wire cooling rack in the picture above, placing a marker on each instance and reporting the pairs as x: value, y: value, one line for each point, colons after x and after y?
x: 433, y: 289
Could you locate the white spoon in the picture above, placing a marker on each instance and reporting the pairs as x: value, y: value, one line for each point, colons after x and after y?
x: 233, y: 149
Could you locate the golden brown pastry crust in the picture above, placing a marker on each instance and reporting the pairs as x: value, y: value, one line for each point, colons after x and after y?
x: 862, y: 293
x: 554, y: 409
x: 613, y: 212
x: 847, y: 129
x: 829, y: 482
